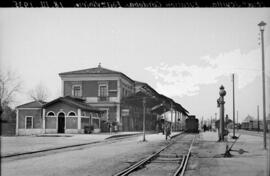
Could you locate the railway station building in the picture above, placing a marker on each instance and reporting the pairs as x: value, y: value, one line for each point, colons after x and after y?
x: 62, y: 115
x: 97, y: 97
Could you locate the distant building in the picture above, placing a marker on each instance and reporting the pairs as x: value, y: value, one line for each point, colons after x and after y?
x: 247, y: 122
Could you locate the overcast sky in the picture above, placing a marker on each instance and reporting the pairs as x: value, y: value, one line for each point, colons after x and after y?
x: 185, y: 54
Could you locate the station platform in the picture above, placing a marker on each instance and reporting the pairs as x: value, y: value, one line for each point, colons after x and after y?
x: 17, y: 145
x: 12, y: 145
x: 208, y: 156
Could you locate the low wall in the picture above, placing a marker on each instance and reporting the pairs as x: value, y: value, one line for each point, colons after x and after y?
x: 71, y: 131
x: 30, y: 131
x: 50, y: 131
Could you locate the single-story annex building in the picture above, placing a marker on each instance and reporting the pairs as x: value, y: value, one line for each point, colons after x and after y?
x: 62, y: 115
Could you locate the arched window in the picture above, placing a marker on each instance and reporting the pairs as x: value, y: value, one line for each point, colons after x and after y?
x: 71, y: 113
x: 50, y: 113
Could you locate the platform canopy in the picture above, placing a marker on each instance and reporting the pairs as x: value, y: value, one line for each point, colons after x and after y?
x: 137, y: 100
x: 157, y: 102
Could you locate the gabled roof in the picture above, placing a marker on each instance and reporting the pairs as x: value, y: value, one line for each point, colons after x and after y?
x: 32, y: 104
x: 137, y: 99
x: 248, y: 118
x: 77, y: 102
x: 160, y: 109
x: 146, y: 87
x: 95, y: 70
x: 158, y: 103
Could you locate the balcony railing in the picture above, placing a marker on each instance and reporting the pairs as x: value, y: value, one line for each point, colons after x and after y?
x: 103, y: 98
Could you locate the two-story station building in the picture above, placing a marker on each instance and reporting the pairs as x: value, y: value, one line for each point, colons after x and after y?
x: 96, y: 97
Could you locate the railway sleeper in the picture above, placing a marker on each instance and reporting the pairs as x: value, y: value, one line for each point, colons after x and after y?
x: 169, y: 155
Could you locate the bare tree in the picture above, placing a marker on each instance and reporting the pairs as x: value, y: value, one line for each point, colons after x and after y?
x: 10, y: 84
x: 39, y: 93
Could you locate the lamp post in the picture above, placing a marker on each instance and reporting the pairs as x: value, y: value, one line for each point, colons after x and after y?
x: 261, y: 26
x: 221, y: 103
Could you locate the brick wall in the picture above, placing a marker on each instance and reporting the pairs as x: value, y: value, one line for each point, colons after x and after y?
x: 50, y: 122
x: 61, y: 106
x: 71, y: 123
x: 85, y: 122
x: 68, y: 87
x: 35, y: 113
x: 89, y: 88
x: 112, y: 113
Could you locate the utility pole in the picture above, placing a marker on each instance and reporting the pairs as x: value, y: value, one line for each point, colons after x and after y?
x: 211, y: 123
x: 175, y: 120
x: 258, y: 114
x: 237, y: 119
x: 144, y: 101
x: 171, y: 117
x: 202, y: 123
x: 234, y: 137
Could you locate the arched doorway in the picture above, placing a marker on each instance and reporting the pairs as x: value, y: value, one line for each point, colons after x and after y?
x: 61, y: 123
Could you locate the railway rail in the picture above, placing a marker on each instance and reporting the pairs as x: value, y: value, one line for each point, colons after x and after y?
x: 64, y: 148
x: 172, y: 159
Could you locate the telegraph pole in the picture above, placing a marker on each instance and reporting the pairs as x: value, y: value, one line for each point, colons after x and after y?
x: 258, y: 114
x: 202, y: 123
x: 144, y: 101
x: 171, y: 116
x: 175, y: 112
x: 211, y: 123
x: 237, y: 119
x: 233, y: 108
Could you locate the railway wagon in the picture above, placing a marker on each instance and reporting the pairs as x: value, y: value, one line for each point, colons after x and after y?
x: 192, y: 124
x: 252, y: 125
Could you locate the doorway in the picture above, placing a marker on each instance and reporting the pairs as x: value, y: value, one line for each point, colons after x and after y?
x: 61, y: 123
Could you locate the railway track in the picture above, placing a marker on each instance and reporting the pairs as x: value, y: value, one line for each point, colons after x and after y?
x: 169, y: 160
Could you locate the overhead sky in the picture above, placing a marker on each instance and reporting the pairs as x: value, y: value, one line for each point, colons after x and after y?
x: 185, y: 54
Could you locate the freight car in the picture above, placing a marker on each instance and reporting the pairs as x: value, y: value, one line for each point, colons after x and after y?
x: 252, y: 125
x: 192, y: 124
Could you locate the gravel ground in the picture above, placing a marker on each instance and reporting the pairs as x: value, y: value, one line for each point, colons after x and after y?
x: 97, y: 160
x: 22, y: 144
x: 207, y: 157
